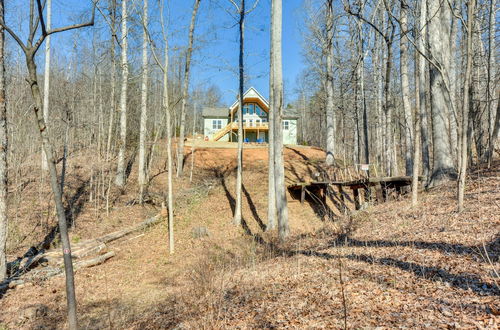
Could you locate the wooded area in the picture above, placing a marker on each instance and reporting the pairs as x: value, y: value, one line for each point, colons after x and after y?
x: 409, y: 88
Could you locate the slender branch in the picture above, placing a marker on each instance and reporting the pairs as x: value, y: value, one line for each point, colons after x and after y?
x: 64, y: 28
x: 253, y: 7
x: 235, y: 5
x: 14, y: 36
x: 40, y: 16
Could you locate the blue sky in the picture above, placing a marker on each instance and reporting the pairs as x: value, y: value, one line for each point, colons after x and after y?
x: 216, y: 62
x: 216, y: 58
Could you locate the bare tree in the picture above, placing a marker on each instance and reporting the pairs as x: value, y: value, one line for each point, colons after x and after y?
x: 111, y: 124
x: 30, y: 48
x: 465, y: 106
x: 120, y: 170
x: 405, y: 86
x: 185, y: 89
x: 277, y: 107
x: 241, y: 9
x: 144, y: 104
x: 493, y: 119
x: 46, y: 77
x: 330, y: 114
x: 3, y: 153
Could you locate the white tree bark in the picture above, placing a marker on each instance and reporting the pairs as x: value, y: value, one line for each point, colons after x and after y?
x: 144, y: 104
x: 3, y: 154
x: 330, y: 114
x: 239, y: 170
x: 170, y: 193
x: 439, y: 39
x: 120, y: 171
x: 112, y: 109
x: 405, y: 86
x: 46, y: 77
x: 423, y: 88
x: 277, y: 108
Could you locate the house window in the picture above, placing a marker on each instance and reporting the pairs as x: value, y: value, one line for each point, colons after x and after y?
x: 216, y: 124
x: 251, y: 107
x: 286, y: 125
x: 257, y: 122
x: 250, y: 123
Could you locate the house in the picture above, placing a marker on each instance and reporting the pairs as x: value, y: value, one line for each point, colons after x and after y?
x: 221, y: 124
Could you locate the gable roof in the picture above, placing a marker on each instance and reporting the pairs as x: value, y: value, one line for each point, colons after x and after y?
x: 251, y: 95
x: 215, y: 112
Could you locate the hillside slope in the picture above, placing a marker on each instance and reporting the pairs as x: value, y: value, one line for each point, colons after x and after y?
x: 388, y: 265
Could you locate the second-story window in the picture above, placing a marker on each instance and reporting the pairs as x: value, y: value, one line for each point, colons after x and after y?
x: 286, y: 125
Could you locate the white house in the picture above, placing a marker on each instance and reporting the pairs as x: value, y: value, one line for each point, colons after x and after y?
x: 221, y: 124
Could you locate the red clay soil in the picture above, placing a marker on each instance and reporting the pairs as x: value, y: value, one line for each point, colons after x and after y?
x: 389, y: 265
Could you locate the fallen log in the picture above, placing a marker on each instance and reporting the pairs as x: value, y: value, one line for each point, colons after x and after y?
x: 119, y: 234
x: 94, y: 262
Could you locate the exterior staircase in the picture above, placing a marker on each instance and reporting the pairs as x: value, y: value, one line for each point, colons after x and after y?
x: 223, y: 132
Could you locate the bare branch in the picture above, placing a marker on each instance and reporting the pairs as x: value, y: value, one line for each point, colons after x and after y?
x: 65, y: 28
x: 253, y: 7
x: 40, y: 16
x: 235, y: 6
x: 13, y: 35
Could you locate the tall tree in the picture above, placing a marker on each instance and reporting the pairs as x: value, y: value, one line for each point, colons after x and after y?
x: 277, y: 107
x: 423, y: 86
x: 46, y: 77
x: 185, y: 90
x: 144, y: 104
x: 241, y: 9
x: 30, y: 48
x: 3, y: 153
x: 438, y: 35
x: 111, y: 124
x: 465, y: 106
x: 120, y: 170
x: 493, y: 119
x: 330, y: 114
x: 405, y: 86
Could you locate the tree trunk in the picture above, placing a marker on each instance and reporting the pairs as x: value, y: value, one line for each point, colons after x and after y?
x: 277, y: 108
x: 144, y: 104
x: 3, y: 154
x: 271, y: 196
x: 51, y: 162
x: 465, y: 106
x: 185, y: 87
x: 46, y: 76
x: 492, y: 123
x: 112, y: 110
x: 239, y: 173
x: 330, y: 115
x: 423, y: 88
x: 438, y: 38
x: 405, y: 87
x: 120, y: 171
x: 416, y: 138
x: 166, y: 108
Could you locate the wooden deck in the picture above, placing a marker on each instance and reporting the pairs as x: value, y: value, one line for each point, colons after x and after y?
x: 381, y: 185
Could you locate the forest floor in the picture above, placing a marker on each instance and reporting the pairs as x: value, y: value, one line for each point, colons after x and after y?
x: 389, y: 265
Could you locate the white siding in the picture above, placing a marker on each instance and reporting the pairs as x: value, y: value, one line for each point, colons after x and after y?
x: 209, y: 130
x: 290, y: 134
